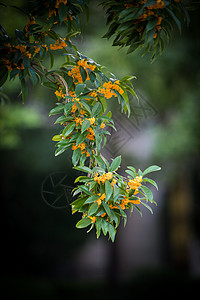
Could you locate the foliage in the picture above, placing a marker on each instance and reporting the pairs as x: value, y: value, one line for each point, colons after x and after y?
x: 82, y: 89
x: 147, y: 24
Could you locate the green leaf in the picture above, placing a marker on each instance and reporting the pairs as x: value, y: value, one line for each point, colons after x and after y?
x: 79, y: 89
x: 56, y: 110
x: 69, y: 128
x: 91, y: 75
x: 104, y: 226
x: 151, y: 181
x: 93, y: 208
x: 107, y: 208
x: 82, y: 179
x: 85, y: 125
x: 147, y: 206
x: 132, y: 169
x: 176, y: 20
x: 103, y: 102
x: 61, y: 120
x: 112, y: 232
x: 84, y: 223
x: 130, y: 173
x: 151, y: 24
x: 76, y: 155
x: 108, y: 190
x: 96, y: 109
x: 62, y: 11
x: 77, y: 204
x: 91, y: 199
x: 33, y: 76
x: 86, y: 107
x: 81, y: 138
x: 100, y: 162
x: 83, y: 73
x: 60, y: 150
x: 24, y: 89
x: 98, y: 224
x: 57, y: 138
x: 68, y: 108
x: 83, y: 169
x: 51, y: 59
x: 147, y: 192
x: 115, y: 164
x: 3, y: 75
x: 151, y: 169
x: 49, y: 85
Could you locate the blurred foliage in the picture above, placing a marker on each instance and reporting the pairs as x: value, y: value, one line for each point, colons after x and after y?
x: 14, y: 119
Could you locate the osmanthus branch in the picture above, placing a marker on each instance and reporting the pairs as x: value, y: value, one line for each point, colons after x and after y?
x: 42, y: 70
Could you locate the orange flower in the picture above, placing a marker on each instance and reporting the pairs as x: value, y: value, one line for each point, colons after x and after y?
x: 135, y: 183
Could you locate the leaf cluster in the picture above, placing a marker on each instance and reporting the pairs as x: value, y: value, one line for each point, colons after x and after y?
x: 145, y: 24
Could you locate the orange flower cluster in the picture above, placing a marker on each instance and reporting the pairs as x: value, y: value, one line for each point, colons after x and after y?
x: 82, y: 146
x: 60, y: 1
x: 59, y: 44
x: 92, y: 120
x: 150, y: 11
x: 14, y: 49
x: 90, y: 135
x: 159, y: 4
x: 108, y: 89
x: 59, y: 93
x: 75, y: 71
x: 103, y: 178
x: 93, y: 94
x: 102, y: 197
x: 135, y: 183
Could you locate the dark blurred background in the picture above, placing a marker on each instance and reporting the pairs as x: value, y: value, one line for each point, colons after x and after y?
x: 43, y: 254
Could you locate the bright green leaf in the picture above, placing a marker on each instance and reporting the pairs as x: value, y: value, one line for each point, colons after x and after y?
x: 83, y: 223
x: 115, y: 164
x: 151, y: 169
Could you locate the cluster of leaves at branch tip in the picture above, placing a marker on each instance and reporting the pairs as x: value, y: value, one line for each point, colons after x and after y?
x: 144, y: 24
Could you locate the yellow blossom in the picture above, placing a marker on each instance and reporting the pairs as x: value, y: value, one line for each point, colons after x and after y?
x: 92, y: 120
x: 135, y: 183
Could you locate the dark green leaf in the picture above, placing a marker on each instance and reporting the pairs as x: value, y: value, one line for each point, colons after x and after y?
x: 76, y: 155
x: 62, y: 11
x: 50, y: 85
x: 56, y: 110
x: 107, y: 208
x: 69, y: 128
x: 96, y: 109
x: 83, y: 73
x: 93, y: 208
x: 79, y: 89
x: 85, y: 125
x: 112, y: 232
x: 81, y: 138
x: 83, y: 169
x: 60, y: 150
x: 108, y: 190
x: 91, y: 199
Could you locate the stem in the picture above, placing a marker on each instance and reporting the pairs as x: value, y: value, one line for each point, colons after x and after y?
x: 57, y: 76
